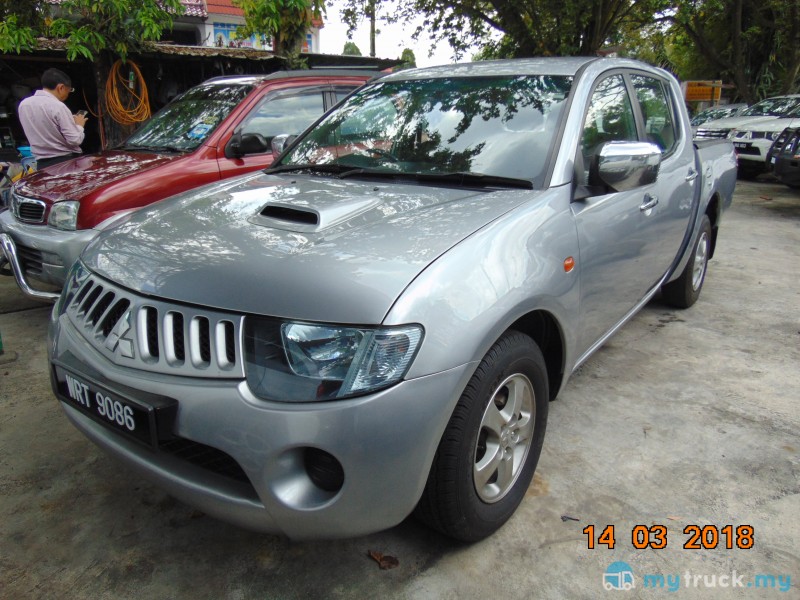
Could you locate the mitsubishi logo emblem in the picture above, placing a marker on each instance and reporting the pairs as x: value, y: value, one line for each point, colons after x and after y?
x: 117, y: 337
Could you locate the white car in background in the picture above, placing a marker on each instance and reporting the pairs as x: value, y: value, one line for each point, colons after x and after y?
x: 753, y: 140
x: 716, y: 112
x: 767, y: 109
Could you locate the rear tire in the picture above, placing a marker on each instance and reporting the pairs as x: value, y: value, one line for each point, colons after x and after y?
x: 685, y: 290
x: 488, y: 453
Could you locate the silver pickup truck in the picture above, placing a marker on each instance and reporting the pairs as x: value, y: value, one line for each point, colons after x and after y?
x: 375, y: 325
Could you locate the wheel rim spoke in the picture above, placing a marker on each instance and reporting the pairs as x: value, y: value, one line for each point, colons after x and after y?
x: 488, y: 465
x: 699, y: 267
x: 494, y: 420
x: 504, y: 438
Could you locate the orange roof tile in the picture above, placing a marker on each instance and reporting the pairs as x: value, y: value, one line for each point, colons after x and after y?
x: 223, y: 7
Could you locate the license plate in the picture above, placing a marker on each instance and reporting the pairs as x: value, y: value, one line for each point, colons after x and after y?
x: 110, y: 409
x: 740, y: 145
x: 772, y: 160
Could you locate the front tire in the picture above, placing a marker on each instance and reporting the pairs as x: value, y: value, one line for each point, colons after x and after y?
x: 489, y: 451
x: 685, y: 290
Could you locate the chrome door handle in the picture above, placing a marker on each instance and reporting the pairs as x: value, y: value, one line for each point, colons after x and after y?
x: 692, y: 175
x: 649, y: 202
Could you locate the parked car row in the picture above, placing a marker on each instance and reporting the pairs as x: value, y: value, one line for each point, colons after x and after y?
x: 716, y: 112
x: 784, y: 157
x: 754, y: 130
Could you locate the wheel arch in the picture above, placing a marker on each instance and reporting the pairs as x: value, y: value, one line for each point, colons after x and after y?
x: 544, y: 329
x: 714, y: 211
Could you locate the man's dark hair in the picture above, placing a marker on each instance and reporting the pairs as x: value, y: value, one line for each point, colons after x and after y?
x: 52, y: 77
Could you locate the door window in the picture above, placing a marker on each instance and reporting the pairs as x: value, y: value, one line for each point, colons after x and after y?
x: 653, y: 100
x: 284, y: 114
x: 341, y: 92
x: 608, y: 119
x: 610, y: 116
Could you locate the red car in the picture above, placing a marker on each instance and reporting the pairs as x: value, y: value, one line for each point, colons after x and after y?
x: 218, y: 129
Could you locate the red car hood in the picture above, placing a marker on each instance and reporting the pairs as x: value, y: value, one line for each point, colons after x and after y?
x: 80, y: 176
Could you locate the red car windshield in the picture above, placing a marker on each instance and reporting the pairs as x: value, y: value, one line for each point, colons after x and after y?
x: 184, y: 123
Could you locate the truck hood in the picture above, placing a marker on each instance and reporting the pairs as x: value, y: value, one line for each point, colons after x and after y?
x: 74, y: 179
x: 774, y: 124
x: 294, y: 246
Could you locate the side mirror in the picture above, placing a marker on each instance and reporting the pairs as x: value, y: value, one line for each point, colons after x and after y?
x: 624, y: 166
x: 248, y: 143
x: 280, y: 142
x: 232, y: 148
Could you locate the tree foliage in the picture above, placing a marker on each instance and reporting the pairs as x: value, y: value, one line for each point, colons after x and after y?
x: 350, y: 49
x: 755, y: 44
x: 408, y: 58
x: 528, y: 27
x: 89, y: 26
x: 285, y: 20
x: 92, y: 26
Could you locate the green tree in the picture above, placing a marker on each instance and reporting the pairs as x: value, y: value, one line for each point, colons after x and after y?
x: 755, y: 44
x: 528, y: 27
x: 408, y: 58
x: 350, y: 49
x: 96, y: 30
x: 93, y: 26
x: 20, y: 23
x: 354, y: 10
x: 285, y: 20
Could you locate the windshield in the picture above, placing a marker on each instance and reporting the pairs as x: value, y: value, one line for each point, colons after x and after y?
x: 190, y: 118
x: 501, y: 127
x: 794, y: 113
x: 771, y: 107
x: 711, y: 114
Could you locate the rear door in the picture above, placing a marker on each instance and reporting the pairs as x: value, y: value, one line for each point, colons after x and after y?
x: 677, y: 176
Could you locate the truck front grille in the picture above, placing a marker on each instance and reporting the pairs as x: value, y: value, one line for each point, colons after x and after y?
x: 139, y: 332
x: 27, y: 210
x: 33, y: 260
x: 712, y: 134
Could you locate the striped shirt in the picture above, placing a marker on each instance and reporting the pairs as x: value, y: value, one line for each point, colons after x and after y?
x: 49, y: 126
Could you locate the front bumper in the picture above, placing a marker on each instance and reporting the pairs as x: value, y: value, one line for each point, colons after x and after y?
x: 752, y: 153
x: 787, y: 170
x: 44, y: 254
x: 384, y: 442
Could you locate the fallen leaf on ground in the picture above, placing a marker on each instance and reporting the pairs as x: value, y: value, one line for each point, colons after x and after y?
x: 384, y: 561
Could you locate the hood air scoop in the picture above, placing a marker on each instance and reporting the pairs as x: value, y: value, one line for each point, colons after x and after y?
x: 301, y: 217
x: 290, y: 214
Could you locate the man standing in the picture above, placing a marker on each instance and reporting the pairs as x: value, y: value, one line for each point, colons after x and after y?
x: 54, y: 134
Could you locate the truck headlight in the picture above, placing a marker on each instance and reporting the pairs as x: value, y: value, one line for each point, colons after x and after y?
x: 64, y: 215
x: 307, y: 362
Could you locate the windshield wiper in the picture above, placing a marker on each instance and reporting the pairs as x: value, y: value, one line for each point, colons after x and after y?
x: 462, y: 178
x: 321, y: 168
x: 164, y: 148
